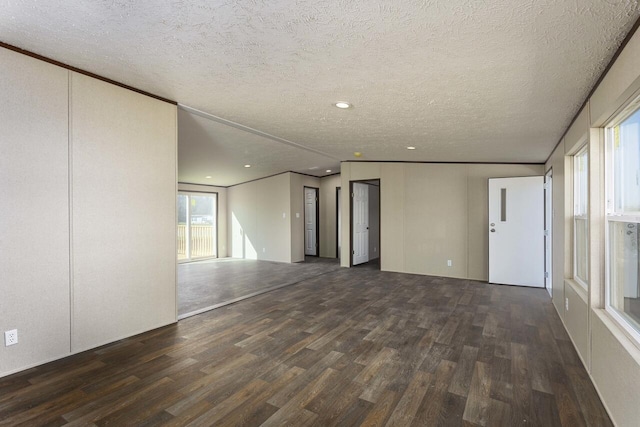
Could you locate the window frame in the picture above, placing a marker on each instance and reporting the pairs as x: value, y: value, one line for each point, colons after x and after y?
x: 612, y: 215
x: 583, y: 150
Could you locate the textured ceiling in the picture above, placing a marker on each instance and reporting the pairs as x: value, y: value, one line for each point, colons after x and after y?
x: 462, y: 80
x: 210, y: 148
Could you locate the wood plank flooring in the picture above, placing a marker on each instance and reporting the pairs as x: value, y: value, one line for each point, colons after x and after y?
x: 212, y: 283
x: 350, y: 347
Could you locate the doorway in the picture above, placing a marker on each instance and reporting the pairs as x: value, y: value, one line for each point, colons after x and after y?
x: 516, y: 231
x: 365, y: 222
x: 311, y: 214
x: 338, y: 222
x: 548, y: 231
x: 197, y: 227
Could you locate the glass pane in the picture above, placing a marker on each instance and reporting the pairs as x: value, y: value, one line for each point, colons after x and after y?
x: 626, y: 165
x: 581, y: 193
x: 623, y: 289
x: 581, y: 254
x: 202, y: 242
x: 182, y: 226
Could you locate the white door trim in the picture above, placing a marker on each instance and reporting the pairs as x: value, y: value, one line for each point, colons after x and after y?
x: 359, y: 223
x: 311, y: 195
x: 548, y: 235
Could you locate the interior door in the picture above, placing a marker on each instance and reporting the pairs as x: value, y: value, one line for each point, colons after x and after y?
x: 310, y: 221
x: 548, y: 232
x: 360, y: 223
x: 516, y: 231
x: 339, y: 221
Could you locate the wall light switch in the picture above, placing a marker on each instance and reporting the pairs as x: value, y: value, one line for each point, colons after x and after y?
x: 284, y: 215
x: 297, y: 214
x: 449, y: 263
x: 566, y: 304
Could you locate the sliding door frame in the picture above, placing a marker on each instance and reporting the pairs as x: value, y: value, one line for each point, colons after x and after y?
x: 215, y: 224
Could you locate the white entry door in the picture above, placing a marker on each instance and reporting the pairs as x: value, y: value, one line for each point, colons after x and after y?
x: 516, y: 231
x: 310, y: 221
x: 360, y: 223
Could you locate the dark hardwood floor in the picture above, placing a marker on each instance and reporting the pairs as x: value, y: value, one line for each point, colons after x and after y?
x: 350, y: 347
x: 213, y: 283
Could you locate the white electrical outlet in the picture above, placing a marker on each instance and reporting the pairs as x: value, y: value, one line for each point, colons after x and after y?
x: 264, y: 250
x: 566, y: 304
x: 449, y: 263
x: 10, y: 337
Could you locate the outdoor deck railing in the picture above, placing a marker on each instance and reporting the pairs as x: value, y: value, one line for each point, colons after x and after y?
x: 202, y: 242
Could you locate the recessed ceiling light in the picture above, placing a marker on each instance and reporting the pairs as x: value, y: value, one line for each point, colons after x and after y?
x: 328, y: 170
x: 357, y: 154
x: 247, y: 166
x: 208, y: 176
x: 342, y: 105
x: 411, y: 148
x: 313, y: 168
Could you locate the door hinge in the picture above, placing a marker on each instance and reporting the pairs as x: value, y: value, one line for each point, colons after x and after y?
x: 352, y: 195
x: 546, y: 232
x: 353, y: 252
x: 546, y: 274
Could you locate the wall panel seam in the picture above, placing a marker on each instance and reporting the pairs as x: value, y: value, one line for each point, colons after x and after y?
x: 70, y: 201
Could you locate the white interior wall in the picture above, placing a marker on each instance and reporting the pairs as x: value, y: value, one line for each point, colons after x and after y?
x: 431, y: 213
x: 34, y: 207
x: 222, y: 211
x: 90, y: 182
x: 259, y: 215
x: 123, y: 147
x: 611, y: 357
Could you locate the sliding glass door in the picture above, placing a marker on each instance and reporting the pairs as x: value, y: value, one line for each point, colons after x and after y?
x: 197, y: 226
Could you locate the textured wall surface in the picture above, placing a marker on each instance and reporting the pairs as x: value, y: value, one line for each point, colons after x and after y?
x: 462, y: 80
x: 431, y: 213
x: 34, y: 211
x: 260, y: 220
x: 123, y: 170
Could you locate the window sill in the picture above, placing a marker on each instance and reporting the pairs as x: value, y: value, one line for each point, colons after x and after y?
x: 619, y: 332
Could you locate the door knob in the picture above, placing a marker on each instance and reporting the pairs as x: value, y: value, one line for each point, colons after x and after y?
x: 493, y: 230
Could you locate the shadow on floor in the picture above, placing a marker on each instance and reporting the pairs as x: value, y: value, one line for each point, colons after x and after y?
x: 205, y: 285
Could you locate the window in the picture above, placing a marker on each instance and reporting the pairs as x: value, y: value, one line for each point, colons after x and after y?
x: 580, y: 223
x: 196, y: 226
x: 623, y: 217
